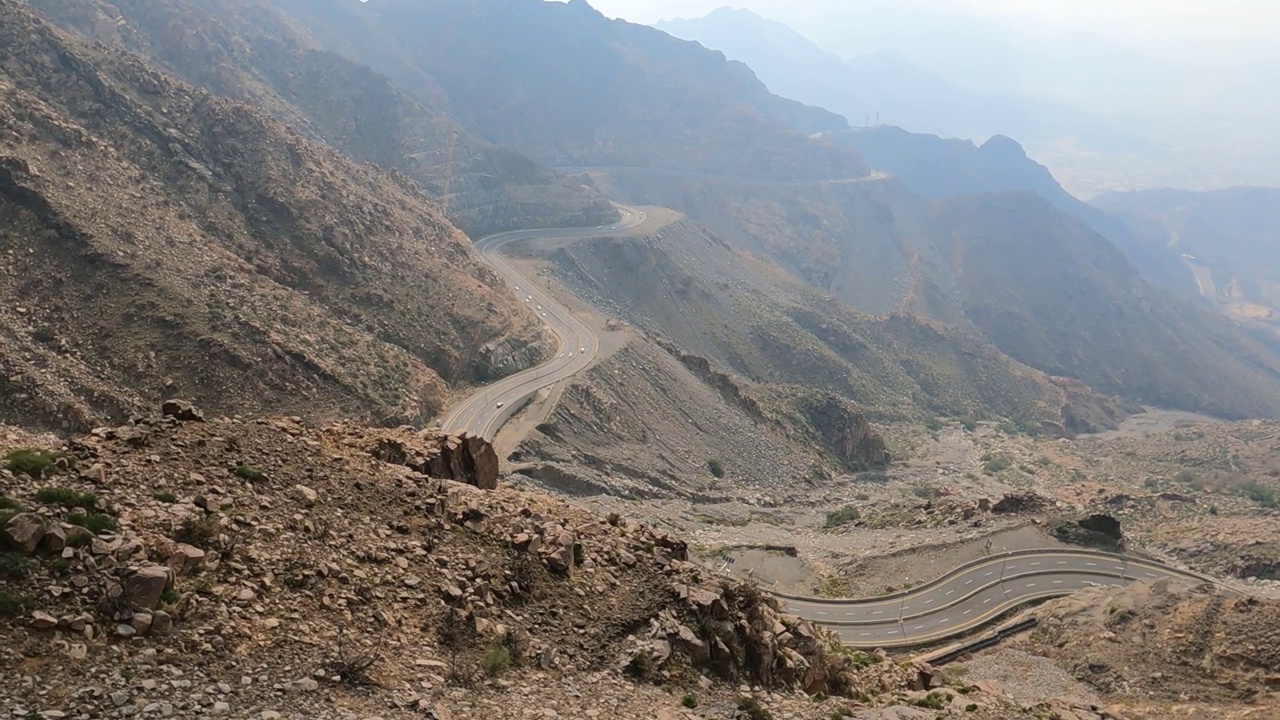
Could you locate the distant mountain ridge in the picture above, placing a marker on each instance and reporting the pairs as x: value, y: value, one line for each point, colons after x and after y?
x: 1221, y: 245
x: 244, y: 50
x: 570, y: 87
x: 165, y: 241
x: 939, y: 168
x: 882, y: 86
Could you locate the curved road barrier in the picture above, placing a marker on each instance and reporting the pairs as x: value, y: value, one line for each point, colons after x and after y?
x: 485, y: 411
x: 974, y: 594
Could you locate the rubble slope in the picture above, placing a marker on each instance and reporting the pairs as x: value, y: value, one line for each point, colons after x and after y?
x: 160, y: 240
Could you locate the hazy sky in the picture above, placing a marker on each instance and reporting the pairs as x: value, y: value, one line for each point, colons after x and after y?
x: 1129, y: 19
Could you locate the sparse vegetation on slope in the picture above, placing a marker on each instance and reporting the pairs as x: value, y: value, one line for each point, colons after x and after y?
x: 222, y: 255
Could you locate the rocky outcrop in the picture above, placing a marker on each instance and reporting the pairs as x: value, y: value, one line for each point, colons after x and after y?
x: 462, y: 458
x: 1027, y: 502
x: 724, y: 383
x: 1097, y: 531
x: 742, y: 636
x: 181, y: 410
x: 24, y: 531
x: 845, y: 431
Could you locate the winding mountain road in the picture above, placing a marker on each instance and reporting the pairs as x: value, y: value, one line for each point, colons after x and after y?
x: 958, y: 602
x: 485, y: 411
x: 974, y: 594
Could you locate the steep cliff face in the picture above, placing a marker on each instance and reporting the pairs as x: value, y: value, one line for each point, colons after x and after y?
x: 846, y: 431
x: 689, y: 287
x: 165, y: 241
x: 247, y: 50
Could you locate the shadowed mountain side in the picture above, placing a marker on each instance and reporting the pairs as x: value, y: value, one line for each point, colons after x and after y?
x: 571, y: 87
x: 1056, y: 296
x: 246, y: 50
x: 939, y: 168
x: 883, y: 249
x: 654, y: 422
x: 745, y: 314
x: 165, y: 241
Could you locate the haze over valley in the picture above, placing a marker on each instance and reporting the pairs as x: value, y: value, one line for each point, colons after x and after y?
x: 518, y: 358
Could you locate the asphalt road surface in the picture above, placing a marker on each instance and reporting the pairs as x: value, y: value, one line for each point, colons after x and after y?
x: 958, y: 602
x: 974, y: 594
x: 484, y: 412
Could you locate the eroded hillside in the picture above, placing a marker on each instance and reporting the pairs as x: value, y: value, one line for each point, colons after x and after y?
x: 579, y: 89
x: 248, y: 51
x: 1036, y: 282
x: 161, y: 240
x: 749, y: 317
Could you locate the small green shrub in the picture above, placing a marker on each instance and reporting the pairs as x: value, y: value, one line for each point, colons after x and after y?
x: 925, y: 492
x: 716, y: 467
x: 843, y: 516
x: 932, y: 701
x: 995, y: 465
x: 170, y: 596
x: 78, y: 537
x: 15, y: 566
x: 95, y: 523
x: 496, y: 661
x: 12, y: 605
x: 59, y: 566
x: 8, y: 503
x: 165, y: 496
x: 33, y: 463
x: 1186, y: 477
x: 862, y: 497
x: 689, y: 701
x: 201, y: 532
x: 250, y: 473
x: 641, y: 667
x: 1260, y: 494
x: 753, y: 709
x: 66, y: 497
x: 971, y: 707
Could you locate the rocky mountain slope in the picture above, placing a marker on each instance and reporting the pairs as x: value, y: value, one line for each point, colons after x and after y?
x: 252, y: 577
x: 1058, y: 297
x: 964, y: 260
x: 579, y: 89
x: 160, y: 239
x: 1204, y: 649
x: 246, y: 50
x: 1219, y: 245
x: 690, y: 287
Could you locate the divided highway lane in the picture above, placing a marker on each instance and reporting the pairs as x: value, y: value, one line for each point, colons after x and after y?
x: 974, y: 594
x: 484, y: 412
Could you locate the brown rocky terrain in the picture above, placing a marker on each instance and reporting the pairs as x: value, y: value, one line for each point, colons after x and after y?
x: 1175, y: 652
x: 578, y: 88
x: 161, y: 240
x: 247, y: 50
x: 978, y: 263
x: 685, y: 285
x: 270, y: 568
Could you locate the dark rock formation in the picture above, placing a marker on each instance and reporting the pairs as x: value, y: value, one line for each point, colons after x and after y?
x: 462, y: 458
x: 846, y: 432
x: 1020, y: 503
x: 181, y: 410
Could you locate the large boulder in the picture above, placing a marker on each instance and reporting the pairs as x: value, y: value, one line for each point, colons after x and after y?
x: 463, y: 458
x: 24, y: 531
x: 181, y: 410
x: 143, y: 586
